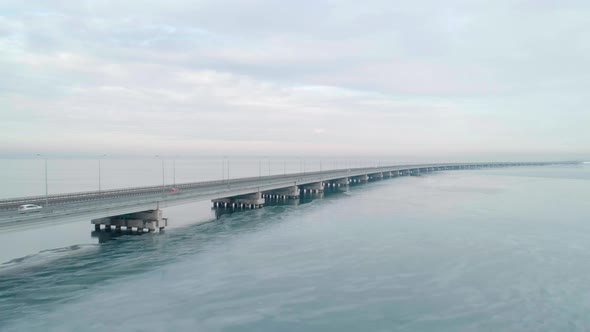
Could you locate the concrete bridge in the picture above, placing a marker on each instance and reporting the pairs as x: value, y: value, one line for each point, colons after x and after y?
x: 139, y: 209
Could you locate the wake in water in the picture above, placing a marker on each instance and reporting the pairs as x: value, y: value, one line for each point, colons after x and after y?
x: 45, y: 257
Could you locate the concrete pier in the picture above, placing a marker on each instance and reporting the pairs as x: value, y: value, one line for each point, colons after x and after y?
x: 361, y: 178
x: 249, y: 201
x: 340, y: 182
x: 316, y: 187
x: 376, y: 176
x: 284, y: 193
x: 146, y: 220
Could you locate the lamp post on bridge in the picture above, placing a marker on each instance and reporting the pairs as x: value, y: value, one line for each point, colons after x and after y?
x: 46, y: 186
x: 100, y: 173
x: 163, y: 178
x: 224, y: 171
x: 222, y: 168
x: 260, y: 165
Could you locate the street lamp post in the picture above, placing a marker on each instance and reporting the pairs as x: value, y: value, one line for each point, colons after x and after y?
x: 100, y: 173
x: 46, y: 186
x: 162, y: 159
x: 224, y: 171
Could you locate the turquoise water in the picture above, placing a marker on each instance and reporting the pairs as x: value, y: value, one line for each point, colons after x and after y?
x: 487, y: 250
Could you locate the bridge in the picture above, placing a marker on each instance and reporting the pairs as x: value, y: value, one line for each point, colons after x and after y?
x: 139, y: 209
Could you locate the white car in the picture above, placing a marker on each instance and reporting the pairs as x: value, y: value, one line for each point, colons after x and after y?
x: 26, y: 208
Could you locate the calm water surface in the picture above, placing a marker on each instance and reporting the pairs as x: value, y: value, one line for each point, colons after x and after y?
x: 488, y: 250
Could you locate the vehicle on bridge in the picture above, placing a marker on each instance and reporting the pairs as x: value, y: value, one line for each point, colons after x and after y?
x: 174, y: 191
x: 26, y: 208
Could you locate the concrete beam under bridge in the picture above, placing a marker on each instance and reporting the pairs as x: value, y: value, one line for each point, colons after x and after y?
x: 248, y: 201
x: 289, y: 192
x: 376, y: 176
x: 316, y: 187
x: 360, y: 178
x: 339, y: 182
x: 150, y: 220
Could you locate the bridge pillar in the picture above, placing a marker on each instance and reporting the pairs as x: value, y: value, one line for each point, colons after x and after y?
x: 376, y: 176
x: 289, y: 192
x: 361, y: 178
x: 253, y: 200
x: 316, y: 187
x: 151, y: 220
x: 340, y: 182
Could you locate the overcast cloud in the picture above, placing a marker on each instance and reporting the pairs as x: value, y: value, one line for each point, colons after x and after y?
x: 470, y: 79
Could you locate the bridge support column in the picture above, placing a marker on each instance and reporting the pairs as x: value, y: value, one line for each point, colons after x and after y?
x: 361, y: 178
x: 316, y: 187
x: 376, y: 176
x: 340, y: 182
x: 253, y: 201
x: 222, y: 202
x: 289, y: 192
x: 151, y: 220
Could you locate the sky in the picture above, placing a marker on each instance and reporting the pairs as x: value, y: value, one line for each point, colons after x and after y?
x: 455, y: 79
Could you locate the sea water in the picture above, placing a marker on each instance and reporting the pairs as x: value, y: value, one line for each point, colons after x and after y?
x: 476, y: 250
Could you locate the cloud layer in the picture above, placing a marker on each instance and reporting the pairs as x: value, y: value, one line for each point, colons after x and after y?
x: 472, y: 79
